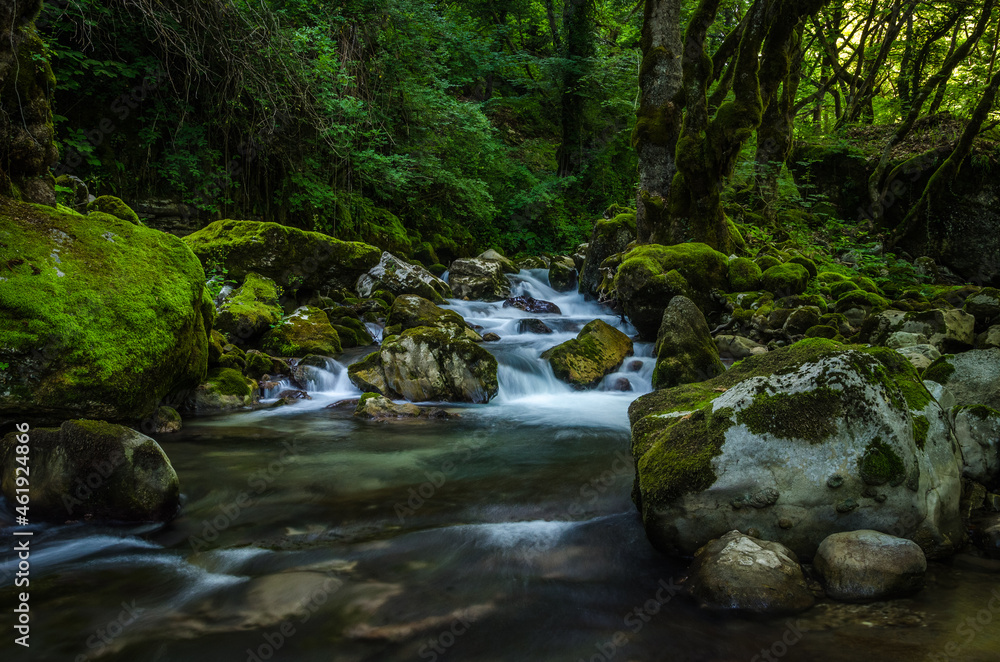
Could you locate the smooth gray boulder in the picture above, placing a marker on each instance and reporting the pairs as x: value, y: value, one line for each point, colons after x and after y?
x: 865, y: 565
x: 977, y: 429
x: 972, y: 377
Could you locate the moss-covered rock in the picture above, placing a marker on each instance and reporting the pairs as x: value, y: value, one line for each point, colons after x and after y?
x: 225, y: 389
x: 809, y: 265
x: 377, y: 407
x: 766, y: 262
x: 685, y: 351
x: 651, y: 275
x: 109, y: 204
x: 479, y: 279
x: 250, y: 311
x: 562, y: 275
x: 596, y: 351
x: 396, y: 277
x: 306, y: 331
x: 821, y: 436
x: 290, y: 257
x: 744, y: 275
x: 368, y: 375
x: 785, y: 279
x: 410, y: 312
x: 610, y: 237
x: 101, y: 318
x: 93, y: 469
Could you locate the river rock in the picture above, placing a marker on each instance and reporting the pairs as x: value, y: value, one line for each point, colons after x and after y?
x: 738, y: 347
x: 410, y: 311
x: 651, y: 275
x: 948, y: 330
x: 786, y: 279
x: 378, y: 407
x: 492, y: 255
x: 799, y: 443
x: 920, y: 356
x: 429, y: 364
x: 972, y: 377
x: 562, y: 275
x: 865, y: 565
x: 478, y: 279
x: 534, y: 306
x: 739, y: 572
x: 977, y: 429
x: 532, y: 325
x: 101, y: 318
x: 306, y: 331
x: 989, y: 339
x: 399, y: 277
x: 94, y: 469
x: 609, y: 237
x: 598, y: 350
x: 984, y: 306
x: 250, y: 311
x: 225, y: 389
x: 290, y: 257
x: 685, y: 350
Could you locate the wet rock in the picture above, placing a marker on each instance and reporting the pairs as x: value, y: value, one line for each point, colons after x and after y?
x: 920, y: 356
x: 411, y: 312
x: 399, y: 277
x: 685, y: 350
x: 93, y: 469
x: 478, y: 279
x: 610, y: 237
x: 622, y: 384
x: 972, y: 377
x: 598, y: 350
x: 977, y: 429
x: 226, y: 389
x: 789, y: 420
x: 306, y: 331
x: 494, y: 256
x: 562, y: 276
x: 378, y: 407
x: 344, y: 404
x: 165, y: 421
x: 987, y: 535
x: 534, y: 306
x: 491, y: 337
x: 293, y: 394
x: 738, y: 347
x: 742, y: 573
x: 533, y: 326
x: 865, y: 565
x: 984, y: 306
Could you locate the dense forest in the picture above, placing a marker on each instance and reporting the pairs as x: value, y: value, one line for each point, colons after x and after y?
x: 371, y: 330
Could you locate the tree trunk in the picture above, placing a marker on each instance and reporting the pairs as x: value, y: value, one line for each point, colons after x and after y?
x: 578, y: 40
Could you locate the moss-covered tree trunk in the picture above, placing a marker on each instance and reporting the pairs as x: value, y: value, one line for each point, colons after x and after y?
x: 660, y: 111
x: 578, y: 49
x: 26, y: 86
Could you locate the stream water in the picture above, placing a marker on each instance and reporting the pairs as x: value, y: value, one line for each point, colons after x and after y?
x: 504, y: 534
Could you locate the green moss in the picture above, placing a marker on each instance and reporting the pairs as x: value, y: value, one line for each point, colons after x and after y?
x: 940, y: 370
x: 108, y: 204
x: 102, y: 318
x: 810, y: 415
x: 596, y: 351
x: 809, y: 265
x: 840, y: 288
x: 227, y: 381
x: 921, y: 426
x: 679, y: 456
x: 866, y: 284
x: 306, y: 331
x: 982, y: 412
x: 880, y: 464
x: 744, y: 275
x: 785, y: 279
x: 766, y: 262
x: 873, y: 303
x: 820, y: 331
x: 251, y: 310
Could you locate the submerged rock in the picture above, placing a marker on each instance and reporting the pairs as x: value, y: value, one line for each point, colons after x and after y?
x: 785, y: 423
x: 742, y: 573
x: 532, y: 325
x: 478, y: 279
x: 598, y: 350
x: 685, y: 350
x: 87, y: 469
x: 101, y: 318
x: 863, y: 566
x: 400, y: 278
x: 534, y: 306
x: 306, y: 331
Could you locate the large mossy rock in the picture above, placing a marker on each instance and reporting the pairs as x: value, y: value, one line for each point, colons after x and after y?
x: 250, y: 311
x: 610, y: 237
x: 798, y: 443
x: 225, y: 389
x: 786, y: 279
x: 306, y: 331
x: 93, y: 469
x: 651, y: 275
x: 290, y: 257
x: 479, y: 279
x: 398, y: 277
x: 685, y: 351
x: 101, y: 318
x: 598, y: 350
x: 411, y: 311
x: 429, y: 364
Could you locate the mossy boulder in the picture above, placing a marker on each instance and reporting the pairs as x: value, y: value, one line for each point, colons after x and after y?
x: 225, y: 389
x: 306, y: 331
x: 858, y: 305
x: 609, y: 237
x: 598, y: 350
x: 744, y: 275
x: 562, y: 275
x: 651, y: 275
x: 377, y: 407
x: 799, y: 443
x: 93, y: 469
x: 410, y: 311
x: 685, y: 351
x: 429, y: 364
x: 397, y: 277
x: 109, y: 204
x: 949, y: 330
x: 493, y: 255
x: 101, y: 318
x: 290, y: 257
x: 250, y: 311
x: 785, y: 279
x: 478, y: 279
